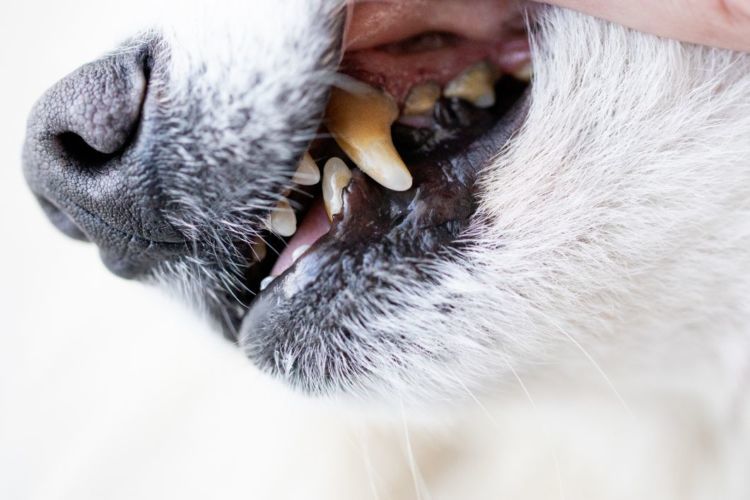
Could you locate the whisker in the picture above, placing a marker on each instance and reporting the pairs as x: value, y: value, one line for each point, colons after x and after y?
x: 596, y: 365
x: 368, y: 467
x: 542, y: 427
x: 415, y: 474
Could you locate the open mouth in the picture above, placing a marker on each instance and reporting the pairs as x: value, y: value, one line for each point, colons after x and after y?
x: 422, y: 102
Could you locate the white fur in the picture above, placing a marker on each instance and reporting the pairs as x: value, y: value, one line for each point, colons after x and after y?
x: 599, y: 348
x: 608, y: 278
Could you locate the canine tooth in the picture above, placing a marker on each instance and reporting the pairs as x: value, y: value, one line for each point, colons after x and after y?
x: 266, y: 281
x: 524, y: 73
x: 299, y: 251
x: 475, y: 84
x: 308, y: 173
x: 336, y: 176
x: 282, y: 220
x: 421, y: 99
x: 360, y: 120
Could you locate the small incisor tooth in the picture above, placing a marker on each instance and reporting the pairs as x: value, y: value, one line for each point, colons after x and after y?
x: 524, y: 73
x: 308, y: 173
x: 282, y: 220
x: 421, y: 99
x: 360, y: 120
x: 475, y: 84
x: 266, y: 281
x: 336, y: 176
x: 259, y: 250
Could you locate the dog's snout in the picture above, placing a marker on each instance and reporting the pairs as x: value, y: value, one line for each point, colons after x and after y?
x: 85, y: 159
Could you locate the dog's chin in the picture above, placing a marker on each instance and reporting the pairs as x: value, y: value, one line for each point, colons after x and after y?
x: 308, y: 307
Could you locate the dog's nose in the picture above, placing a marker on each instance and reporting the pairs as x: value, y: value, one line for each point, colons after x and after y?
x: 86, y: 157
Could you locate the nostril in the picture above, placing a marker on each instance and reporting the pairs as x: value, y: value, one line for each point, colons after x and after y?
x: 77, y: 150
x: 91, y: 116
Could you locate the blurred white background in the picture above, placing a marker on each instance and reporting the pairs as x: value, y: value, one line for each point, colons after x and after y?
x: 107, y: 388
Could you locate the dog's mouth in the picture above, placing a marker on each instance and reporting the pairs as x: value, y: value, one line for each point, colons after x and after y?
x: 422, y: 102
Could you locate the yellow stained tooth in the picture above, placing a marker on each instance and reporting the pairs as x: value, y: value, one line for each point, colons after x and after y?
x: 360, y: 120
x: 336, y: 176
x: 282, y: 220
x: 308, y: 173
x: 259, y: 250
x: 475, y: 84
x: 524, y: 73
x: 421, y: 99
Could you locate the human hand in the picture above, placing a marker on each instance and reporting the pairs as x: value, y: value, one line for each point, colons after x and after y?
x: 719, y: 23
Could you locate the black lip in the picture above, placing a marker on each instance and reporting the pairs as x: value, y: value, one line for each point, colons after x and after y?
x: 294, y: 329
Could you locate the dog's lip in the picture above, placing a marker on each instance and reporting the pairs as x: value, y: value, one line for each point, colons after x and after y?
x: 314, y: 225
x: 422, y: 221
x: 373, y: 23
x: 369, y: 212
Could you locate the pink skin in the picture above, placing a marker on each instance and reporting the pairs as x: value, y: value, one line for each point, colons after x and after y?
x: 380, y: 22
x: 719, y: 23
x: 397, y: 73
x: 490, y: 30
x: 314, y: 225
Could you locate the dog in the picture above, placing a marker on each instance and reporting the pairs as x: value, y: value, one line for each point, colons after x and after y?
x: 572, y: 251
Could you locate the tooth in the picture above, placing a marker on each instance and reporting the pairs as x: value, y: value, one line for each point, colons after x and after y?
x: 475, y: 84
x: 266, y: 281
x: 259, y: 250
x: 336, y: 176
x: 524, y: 73
x: 282, y: 220
x: 308, y: 173
x: 299, y: 251
x: 421, y: 99
x: 360, y: 121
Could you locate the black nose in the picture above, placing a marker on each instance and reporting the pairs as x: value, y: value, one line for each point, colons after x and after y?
x: 86, y: 157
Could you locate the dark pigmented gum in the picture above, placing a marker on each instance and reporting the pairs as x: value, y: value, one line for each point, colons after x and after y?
x: 379, y: 232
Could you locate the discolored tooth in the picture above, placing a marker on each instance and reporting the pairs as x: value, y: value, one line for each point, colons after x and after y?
x: 266, y: 281
x: 259, y: 250
x: 360, y: 119
x: 299, y: 251
x: 308, y: 173
x: 524, y: 73
x: 476, y: 84
x: 282, y: 220
x: 336, y: 176
x: 421, y: 99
